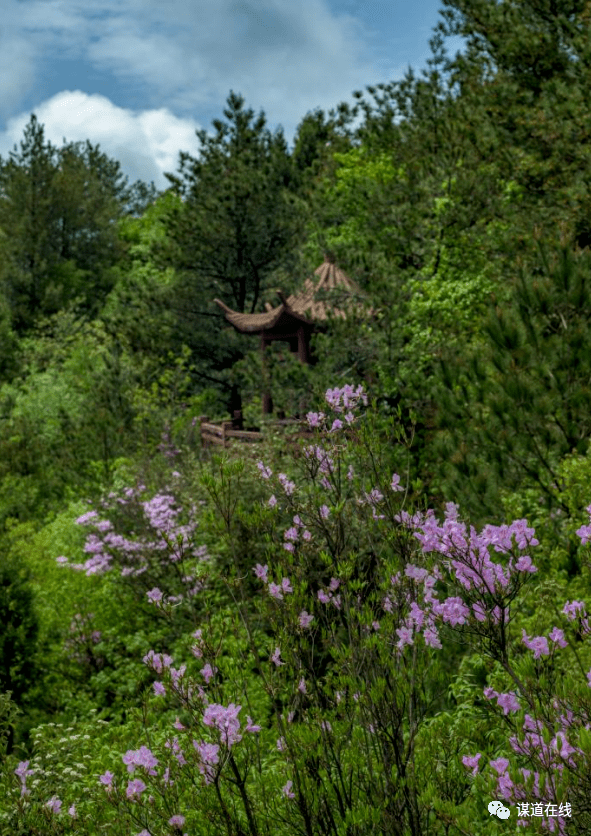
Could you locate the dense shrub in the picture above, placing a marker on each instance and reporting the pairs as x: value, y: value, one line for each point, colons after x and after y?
x: 372, y: 670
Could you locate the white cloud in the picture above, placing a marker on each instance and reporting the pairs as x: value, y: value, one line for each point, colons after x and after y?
x: 17, y: 69
x: 175, y: 57
x: 287, y: 58
x: 284, y: 57
x: 146, y: 143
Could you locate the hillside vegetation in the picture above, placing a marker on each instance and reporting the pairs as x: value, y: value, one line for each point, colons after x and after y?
x: 380, y: 631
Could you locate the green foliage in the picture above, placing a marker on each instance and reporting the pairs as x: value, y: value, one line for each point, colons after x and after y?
x: 168, y: 402
x: 58, y: 243
x: 360, y: 175
x: 69, y: 409
x: 317, y: 138
x: 8, y: 343
x: 477, y: 355
x: 232, y: 235
x: 523, y: 401
x: 373, y: 716
x: 18, y: 637
x: 293, y: 385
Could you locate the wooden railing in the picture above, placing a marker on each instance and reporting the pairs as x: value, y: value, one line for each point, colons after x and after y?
x: 223, y: 433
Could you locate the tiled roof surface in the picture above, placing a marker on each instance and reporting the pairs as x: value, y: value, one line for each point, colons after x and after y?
x: 304, y: 305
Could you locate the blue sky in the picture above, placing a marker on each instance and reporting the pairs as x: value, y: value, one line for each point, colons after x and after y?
x: 139, y: 77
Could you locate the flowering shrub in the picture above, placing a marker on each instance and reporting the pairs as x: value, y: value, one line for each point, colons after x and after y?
x: 165, y: 555
x: 324, y: 689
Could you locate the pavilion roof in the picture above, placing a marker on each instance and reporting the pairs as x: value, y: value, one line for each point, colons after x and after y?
x: 303, y: 305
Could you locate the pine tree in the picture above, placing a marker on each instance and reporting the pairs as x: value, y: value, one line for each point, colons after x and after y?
x: 513, y: 407
x: 533, y: 63
x: 239, y: 221
x: 58, y: 240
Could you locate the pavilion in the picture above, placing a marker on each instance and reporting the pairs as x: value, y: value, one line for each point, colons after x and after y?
x: 299, y: 315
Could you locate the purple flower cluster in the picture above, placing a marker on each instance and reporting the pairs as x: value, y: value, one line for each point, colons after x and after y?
x: 275, y: 590
x: 315, y: 419
x: 225, y: 720
x: 324, y: 461
x: 327, y: 596
x: 584, y: 532
x: 22, y: 772
x: 373, y: 498
x: 469, y: 557
x: 421, y: 620
x: 539, y: 645
x: 108, y: 548
x: 508, y: 702
x: 292, y: 534
x: 166, y: 446
x: 287, y: 485
x: 305, y: 619
x: 54, y: 804
x: 135, y: 788
x: 472, y: 762
x: 342, y: 401
x: 551, y: 757
x: 482, y: 572
x: 345, y: 399
x: 542, y: 742
x: 143, y: 758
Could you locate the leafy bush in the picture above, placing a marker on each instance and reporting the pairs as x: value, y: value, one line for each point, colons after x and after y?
x: 366, y: 651
x: 19, y: 632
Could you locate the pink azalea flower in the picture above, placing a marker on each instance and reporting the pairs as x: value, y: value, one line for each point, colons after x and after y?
x: 54, y: 804
x: 404, y: 636
x: 500, y: 766
x: 176, y: 821
x: 431, y: 637
x: 305, y: 619
x: 135, y: 787
x: 472, y: 762
x: 508, y: 702
x: 557, y: 636
x: 261, y: 572
x: 539, y: 644
x: 107, y: 779
x: 395, y: 483
x: 208, y: 672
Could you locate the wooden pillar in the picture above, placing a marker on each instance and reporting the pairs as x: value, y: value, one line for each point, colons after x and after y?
x: 303, y: 352
x: 226, y: 426
x: 235, y: 400
x: 267, y: 403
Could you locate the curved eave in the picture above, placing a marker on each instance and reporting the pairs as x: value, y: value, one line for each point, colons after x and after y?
x: 255, y: 323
